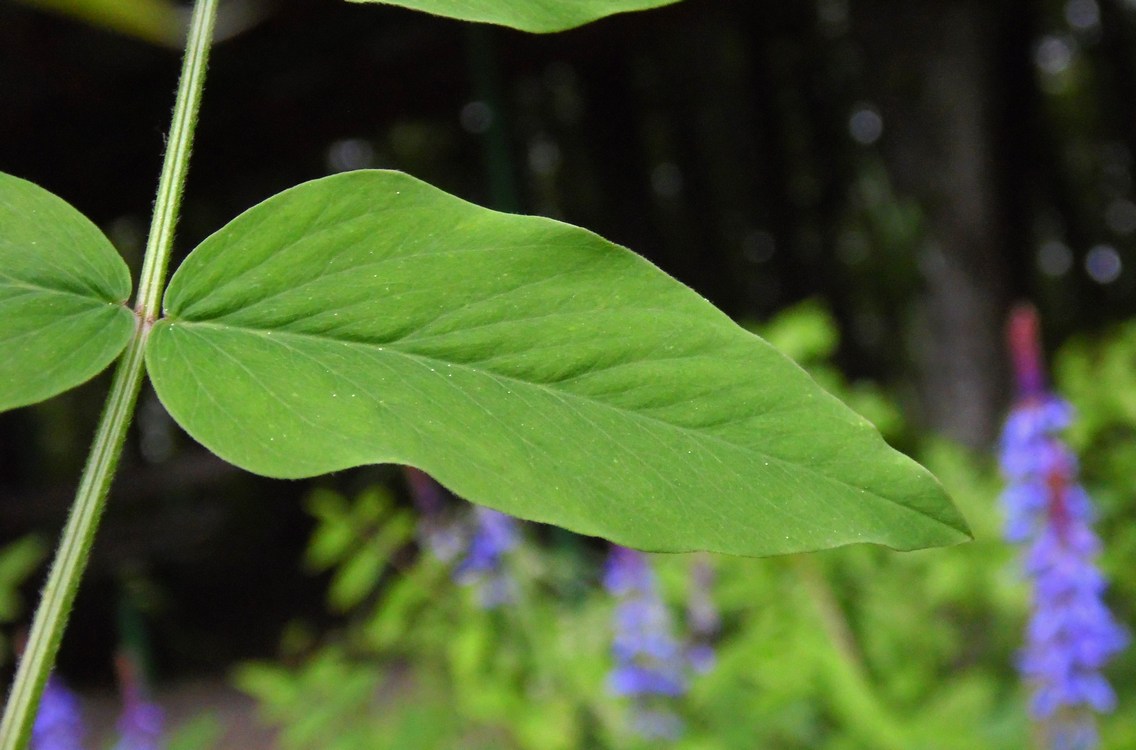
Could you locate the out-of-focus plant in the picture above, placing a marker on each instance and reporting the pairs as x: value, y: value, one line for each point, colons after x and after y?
x: 356, y: 540
x: 142, y: 724
x: 1095, y: 373
x: 1071, y: 634
x: 18, y: 561
x: 161, y: 22
x: 650, y: 668
x: 157, y: 21
x: 484, y: 565
x: 59, y: 721
x: 427, y: 661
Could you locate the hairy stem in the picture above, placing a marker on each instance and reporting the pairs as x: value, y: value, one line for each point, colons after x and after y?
x: 75, y: 545
x: 153, y: 278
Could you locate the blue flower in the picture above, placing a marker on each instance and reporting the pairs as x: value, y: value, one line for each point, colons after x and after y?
x: 650, y: 665
x: 495, y: 535
x: 140, y: 726
x: 1071, y: 634
x: 59, y: 721
x: 141, y: 723
x: 702, y: 619
x: 437, y: 531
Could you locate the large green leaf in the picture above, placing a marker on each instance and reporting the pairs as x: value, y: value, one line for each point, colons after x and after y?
x: 528, y: 365
x: 62, y: 288
x: 540, y: 16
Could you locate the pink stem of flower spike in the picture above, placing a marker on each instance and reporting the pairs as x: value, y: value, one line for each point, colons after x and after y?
x: 1024, y: 336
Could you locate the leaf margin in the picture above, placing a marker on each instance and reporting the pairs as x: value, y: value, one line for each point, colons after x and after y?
x: 542, y: 21
x: 103, y: 287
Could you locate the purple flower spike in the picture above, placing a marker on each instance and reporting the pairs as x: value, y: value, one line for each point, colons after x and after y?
x: 627, y: 573
x: 140, y: 726
x: 59, y: 721
x: 141, y: 723
x: 1071, y: 634
x: 495, y: 535
x: 702, y: 619
x: 650, y: 665
x: 654, y: 724
x: 437, y: 531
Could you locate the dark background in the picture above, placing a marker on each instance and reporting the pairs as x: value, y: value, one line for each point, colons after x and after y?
x: 919, y: 165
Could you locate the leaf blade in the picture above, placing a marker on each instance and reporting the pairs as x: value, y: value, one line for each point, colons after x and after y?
x: 529, y: 365
x: 62, y: 289
x: 537, y: 16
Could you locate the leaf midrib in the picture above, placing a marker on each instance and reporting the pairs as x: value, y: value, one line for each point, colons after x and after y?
x: 560, y: 393
x: 13, y: 284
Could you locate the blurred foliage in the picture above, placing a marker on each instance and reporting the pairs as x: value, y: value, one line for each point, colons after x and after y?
x: 199, y: 733
x: 157, y: 21
x: 1098, y: 376
x: 420, y: 663
x: 356, y: 539
x: 18, y: 561
x: 854, y: 648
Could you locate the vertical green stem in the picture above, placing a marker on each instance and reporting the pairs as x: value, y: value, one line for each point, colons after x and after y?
x: 850, y: 687
x: 168, y: 203
x: 78, y: 534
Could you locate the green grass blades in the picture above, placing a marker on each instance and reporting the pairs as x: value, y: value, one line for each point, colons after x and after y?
x: 62, y: 289
x: 528, y: 365
x: 538, y: 16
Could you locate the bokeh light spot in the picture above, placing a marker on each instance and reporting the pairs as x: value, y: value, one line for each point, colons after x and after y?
x: 1054, y: 258
x: 866, y: 125
x: 1103, y: 264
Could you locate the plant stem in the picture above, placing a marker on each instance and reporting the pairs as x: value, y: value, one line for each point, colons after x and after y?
x: 153, y: 278
x: 78, y: 535
x: 74, y: 547
x: 850, y: 687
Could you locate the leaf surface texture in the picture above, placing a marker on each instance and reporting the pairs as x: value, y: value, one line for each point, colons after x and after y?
x: 529, y: 365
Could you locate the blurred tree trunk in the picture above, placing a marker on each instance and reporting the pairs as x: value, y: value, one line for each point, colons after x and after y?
x: 933, y: 65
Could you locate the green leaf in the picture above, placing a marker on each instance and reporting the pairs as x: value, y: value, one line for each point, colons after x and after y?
x: 202, y: 732
x: 538, y: 16
x: 526, y: 364
x: 62, y: 289
x: 359, y: 575
x: 157, y: 21
x: 18, y: 561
